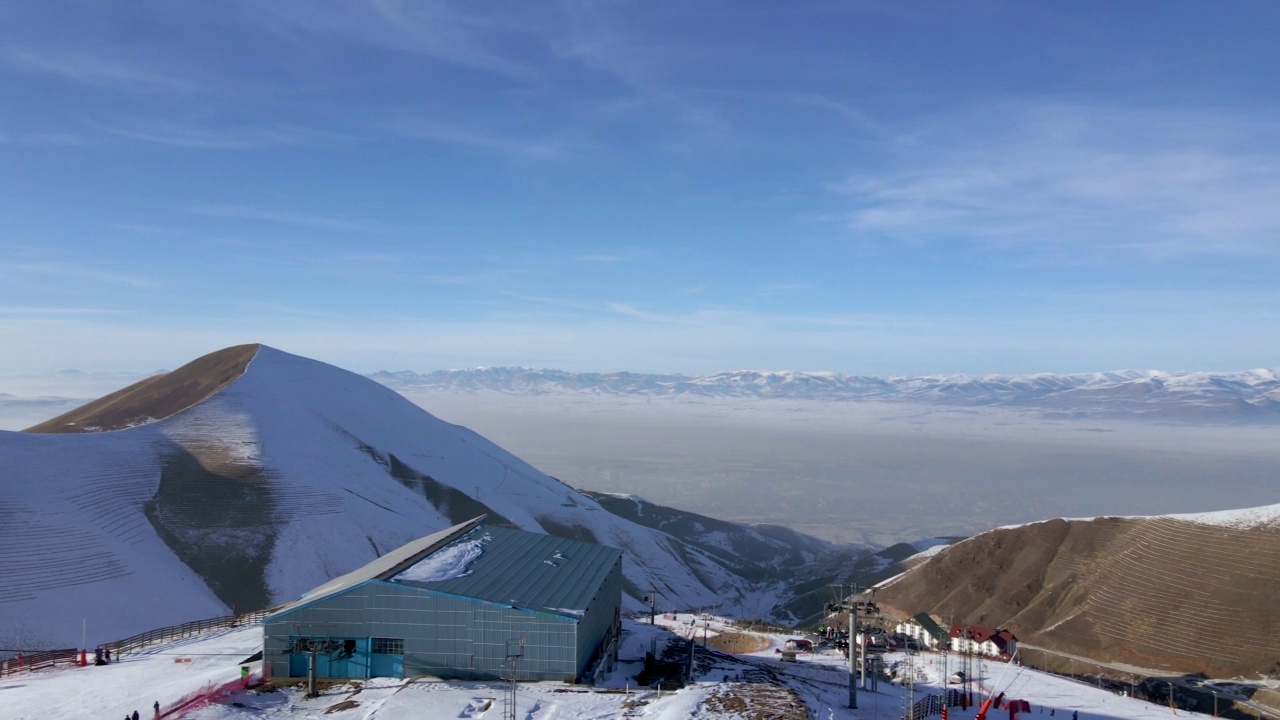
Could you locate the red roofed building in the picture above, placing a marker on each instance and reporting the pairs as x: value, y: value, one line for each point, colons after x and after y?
x: 983, y: 641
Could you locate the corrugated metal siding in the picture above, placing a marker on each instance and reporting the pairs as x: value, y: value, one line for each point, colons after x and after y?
x: 445, y: 636
x: 561, y: 595
x: 602, y: 612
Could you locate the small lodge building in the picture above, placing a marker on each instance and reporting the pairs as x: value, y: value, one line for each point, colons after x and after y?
x: 458, y: 604
x: 979, y: 640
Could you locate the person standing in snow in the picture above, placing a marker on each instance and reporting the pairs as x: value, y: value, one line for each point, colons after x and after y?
x: 135, y: 715
x: 157, y: 707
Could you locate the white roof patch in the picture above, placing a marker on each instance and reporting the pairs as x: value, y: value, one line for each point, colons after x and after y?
x: 446, y: 564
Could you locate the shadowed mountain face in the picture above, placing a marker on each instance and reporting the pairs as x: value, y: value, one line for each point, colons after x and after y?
x: 762, y: 553
x: 1167, y: 593
x: 238, y: 484
x: 220, y: 520
x: 156, y: 397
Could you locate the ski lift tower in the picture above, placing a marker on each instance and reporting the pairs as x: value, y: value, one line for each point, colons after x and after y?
x: 846, y: 603
x: 515, y: 651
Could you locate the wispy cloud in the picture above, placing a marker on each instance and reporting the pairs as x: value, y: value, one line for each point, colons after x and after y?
x: 511, y: 142
x: 446, y: 279
x: 783, y: 287
x: 100, y: 71
x: 21, y: 310
x: 638, y: 314
x: 285, y: 217
x: 197, y: 137
x: 44, y: 139
x: 1081, y: 181
x: 446, y: 33
x: 278, y: 309
x: 600, y: 258
x: 67, y: 271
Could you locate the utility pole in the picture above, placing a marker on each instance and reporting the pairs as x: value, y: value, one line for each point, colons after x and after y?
x: 951, y: 619
x: 863, y: 648
x: 847, y: 604
x: 853, y: 625
x: 653, y: 605
x: 911, y: 692
x: 515, y: 651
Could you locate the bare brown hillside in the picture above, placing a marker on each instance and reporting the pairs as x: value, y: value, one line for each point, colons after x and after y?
x: 156, y: 397
x: 1153, y: 592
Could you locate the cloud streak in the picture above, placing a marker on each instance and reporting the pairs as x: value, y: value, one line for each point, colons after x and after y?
x: 196, y: 137
x: 1084, y: 181
x: 283, y: 217
x: 67, y: 271
x: 99, y: 71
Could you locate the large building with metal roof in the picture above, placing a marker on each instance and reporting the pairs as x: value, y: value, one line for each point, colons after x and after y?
x: 473, y: 601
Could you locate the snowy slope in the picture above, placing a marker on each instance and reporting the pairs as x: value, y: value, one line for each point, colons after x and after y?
x: 294, y: 473
x: 817, y: 681
x: 1252, y: 395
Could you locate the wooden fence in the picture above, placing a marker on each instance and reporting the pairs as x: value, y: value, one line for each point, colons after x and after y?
x: 51, y: 658
x: 187, y: 629
x: 39, y: 661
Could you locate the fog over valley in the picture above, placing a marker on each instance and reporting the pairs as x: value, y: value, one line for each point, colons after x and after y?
x: 875, y: 472
x: 846, y: 470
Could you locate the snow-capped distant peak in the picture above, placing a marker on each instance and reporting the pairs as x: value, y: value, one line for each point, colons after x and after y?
x: 1251, y: 395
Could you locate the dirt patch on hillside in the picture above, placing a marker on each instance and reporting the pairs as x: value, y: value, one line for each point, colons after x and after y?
x: 758, y: 701
x: 156, y: 397
x: 738, y: 643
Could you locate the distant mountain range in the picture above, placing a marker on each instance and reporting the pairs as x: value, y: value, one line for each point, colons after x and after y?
x: 1247, y: 396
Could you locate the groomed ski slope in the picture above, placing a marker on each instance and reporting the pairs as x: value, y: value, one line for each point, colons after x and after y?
x: 818, y: 680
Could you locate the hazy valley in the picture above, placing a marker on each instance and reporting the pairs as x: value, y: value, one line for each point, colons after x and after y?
x: 873, y: 471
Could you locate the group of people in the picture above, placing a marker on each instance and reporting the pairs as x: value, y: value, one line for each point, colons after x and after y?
x: 102, y: 656
x: 830, y: 632
x: 156, y: 707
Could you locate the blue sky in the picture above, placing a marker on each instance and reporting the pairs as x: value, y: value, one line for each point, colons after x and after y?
x: 866, y: 187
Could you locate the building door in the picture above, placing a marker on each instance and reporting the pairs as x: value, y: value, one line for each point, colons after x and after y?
x: 350, y: 660
x: 386, y: 657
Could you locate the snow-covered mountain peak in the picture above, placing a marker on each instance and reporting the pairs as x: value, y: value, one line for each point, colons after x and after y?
x: 262, y: 474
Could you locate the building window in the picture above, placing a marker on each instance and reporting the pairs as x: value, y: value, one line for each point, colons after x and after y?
x: 388, y: 646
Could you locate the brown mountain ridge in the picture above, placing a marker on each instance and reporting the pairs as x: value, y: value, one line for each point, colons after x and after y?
x: 1166, y: 593
x: 156, y: 397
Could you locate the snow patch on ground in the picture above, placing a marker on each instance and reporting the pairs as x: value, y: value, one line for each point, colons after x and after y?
x: 1265, y: 516
x: 928, y: 552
